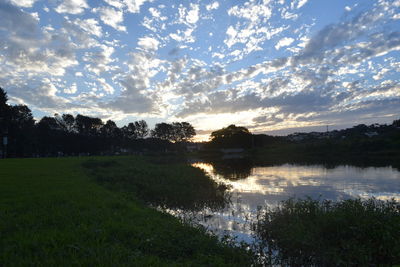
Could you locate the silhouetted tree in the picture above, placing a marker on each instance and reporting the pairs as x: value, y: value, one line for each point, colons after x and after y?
x: 129, y: 131
x: 232, y: 136
x: 163, y: 131
x: 110, y: 130
x: 20, y: 130
x: 141, y: 129
x: 175, y: 132
x: 88, y: 126
x: 183, y: 131
x: 48, y: 124
x: 3, y: 102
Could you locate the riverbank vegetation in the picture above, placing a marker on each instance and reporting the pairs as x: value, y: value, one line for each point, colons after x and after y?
x: 171, y: 184
x: 53, y: 212
x: 353, y: 232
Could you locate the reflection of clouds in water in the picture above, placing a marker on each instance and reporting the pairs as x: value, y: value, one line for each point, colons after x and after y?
x: 270, y: 185
x: 289, y: 180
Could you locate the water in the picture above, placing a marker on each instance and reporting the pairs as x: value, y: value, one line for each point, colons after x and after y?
x: 254, y: 187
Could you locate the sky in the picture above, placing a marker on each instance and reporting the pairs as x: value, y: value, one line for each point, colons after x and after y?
x: 276, y: 67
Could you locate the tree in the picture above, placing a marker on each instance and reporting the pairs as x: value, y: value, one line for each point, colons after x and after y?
x: 129, y: 131
x: 163, y: 131
x: 66, y: 122
x: 232, y: 136
x: 4, y: 112
x: 110, y: 130
x: 21, y: 116
x: 87, y: 125
x: 48, y: 123
x: 20, y: 130
x: 396, y: 123
x: 3, y: 102
x: 141, y: 129
x: 183, y: 131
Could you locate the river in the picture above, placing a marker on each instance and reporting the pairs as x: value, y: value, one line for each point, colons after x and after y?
x: 254, y: 187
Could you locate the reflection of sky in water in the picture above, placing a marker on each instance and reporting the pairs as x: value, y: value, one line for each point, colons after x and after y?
x: 270, y: 185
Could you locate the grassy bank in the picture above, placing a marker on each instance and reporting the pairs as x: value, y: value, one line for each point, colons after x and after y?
x: 52, y: 212
x: 159, y: 181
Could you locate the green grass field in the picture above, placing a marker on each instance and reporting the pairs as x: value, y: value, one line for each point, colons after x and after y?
x: 54, y: 211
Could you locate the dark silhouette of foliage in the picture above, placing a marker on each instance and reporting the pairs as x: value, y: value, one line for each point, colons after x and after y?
x: 175, y: 132
x: 163, y: 131
x: 183, y: 131
x: 232, y: 137
x: 135, y: 130
x: 141, y: 128
x: 68, y: 135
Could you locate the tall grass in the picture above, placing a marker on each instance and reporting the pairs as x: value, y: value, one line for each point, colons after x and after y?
x: 174, y: 185
x: 354, y: 232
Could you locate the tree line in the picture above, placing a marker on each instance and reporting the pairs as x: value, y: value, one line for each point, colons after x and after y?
x: 73, y: 135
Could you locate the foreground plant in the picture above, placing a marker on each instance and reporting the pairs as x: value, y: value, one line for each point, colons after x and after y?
x: 304, y: 232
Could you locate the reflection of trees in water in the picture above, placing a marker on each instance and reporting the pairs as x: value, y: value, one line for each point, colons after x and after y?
x: 233, y: 169
x: 241, y: 168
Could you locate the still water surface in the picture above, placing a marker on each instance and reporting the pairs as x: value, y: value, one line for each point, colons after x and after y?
x: 255, y: 187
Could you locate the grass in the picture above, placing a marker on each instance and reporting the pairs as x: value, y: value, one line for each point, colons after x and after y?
x: 170, y: 184
x: 306, y: 232
x: 52, y: 212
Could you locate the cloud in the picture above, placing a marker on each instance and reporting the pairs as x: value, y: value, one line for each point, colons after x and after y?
x: 335, y: 35
x: 72, y: 89
x: 91, y: 26
x: 148, y: 43
x: 301, y: 3
x: 23, y: 3
x: 27, y: 48
x: 72, y: 6
x: 105, y: 86
x: 284, y: 42
x: 212, y: 6
x: 193, y: 15
x: 41, y: 94
x: 176, y: 61
x: 111, y: 17
x: 133, y: 6
x: 99, y: 61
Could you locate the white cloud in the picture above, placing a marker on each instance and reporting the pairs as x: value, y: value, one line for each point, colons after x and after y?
x: 111, y: 17
x: 72, y: 89
x: 193, y: 15
x: 148, y: 43
x: 99, y: 61
x: 115, y: 3
x: 91, y: 26
x: 284, y: 42
x: 23, y: 3
x: 252, y: 11
x: 105, y: 86
x: 301, y: 3
x: 72, y: 6
x: 154, y: 12
x: 212, y: 6
x: 134, y: 5
x: 183, y: 36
